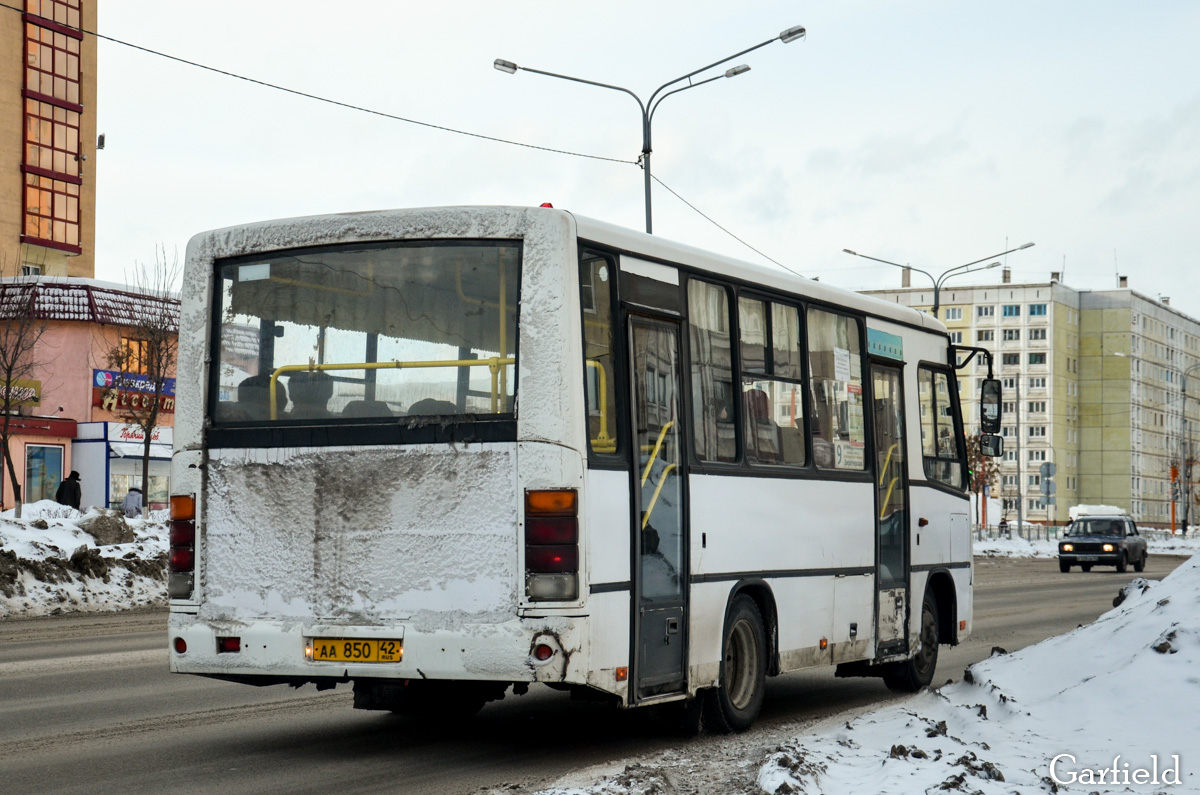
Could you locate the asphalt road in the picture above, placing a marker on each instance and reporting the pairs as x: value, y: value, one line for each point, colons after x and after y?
x: 87, y: 705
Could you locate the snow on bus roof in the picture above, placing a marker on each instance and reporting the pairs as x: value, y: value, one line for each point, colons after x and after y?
x: 672, y: 251
x: 376, y: 224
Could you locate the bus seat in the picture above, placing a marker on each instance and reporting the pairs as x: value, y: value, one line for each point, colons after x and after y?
x: 432, y: 406
x: 366, y: 408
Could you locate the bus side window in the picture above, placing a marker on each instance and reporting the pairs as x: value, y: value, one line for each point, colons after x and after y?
x: 771, y: 376
x: 940, y: 445
x: 710, y: 340
x: 595, y: 284
x: 835, y: 370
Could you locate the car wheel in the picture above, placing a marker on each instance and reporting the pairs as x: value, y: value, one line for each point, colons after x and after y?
x: 1063, y: 566
x: 739, y: 695
x: 1086, y: 567
x: 1122, y: 564
x: 911, y: 675
x: 1140, y: 566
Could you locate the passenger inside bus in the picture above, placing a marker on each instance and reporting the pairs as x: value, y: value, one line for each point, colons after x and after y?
x: 254, y: 399
x: 311, y: 390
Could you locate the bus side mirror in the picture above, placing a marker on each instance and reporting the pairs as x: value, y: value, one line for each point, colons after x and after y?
x: 991, y: 446
x: 989, y: 402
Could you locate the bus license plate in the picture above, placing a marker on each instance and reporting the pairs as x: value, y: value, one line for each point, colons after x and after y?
x: 362, y: 651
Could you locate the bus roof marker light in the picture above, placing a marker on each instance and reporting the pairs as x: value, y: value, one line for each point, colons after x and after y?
x: 788, y: 36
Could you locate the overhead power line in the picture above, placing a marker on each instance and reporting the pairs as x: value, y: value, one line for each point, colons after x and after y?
x: 394, y: 117
x: 327, y: 100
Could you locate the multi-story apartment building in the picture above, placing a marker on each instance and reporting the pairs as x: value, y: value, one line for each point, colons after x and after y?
x: 1094, y: 385
x: 48, y: 149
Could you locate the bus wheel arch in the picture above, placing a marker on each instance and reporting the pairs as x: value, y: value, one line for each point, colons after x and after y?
x: 941, y: 586
x: 764, y: 599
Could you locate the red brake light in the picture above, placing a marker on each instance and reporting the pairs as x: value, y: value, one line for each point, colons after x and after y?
x: 182, y: 559
x: 552, y: 558
x: 183, y: 533
x: 229, y: 645
x: 551, y: 530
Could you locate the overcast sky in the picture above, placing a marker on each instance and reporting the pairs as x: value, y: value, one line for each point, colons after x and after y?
x: 930, y: 133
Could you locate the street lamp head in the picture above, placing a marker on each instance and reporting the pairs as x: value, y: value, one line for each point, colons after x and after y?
x: 791, y: 34
x: 848, y: 251
x: 1027, y: 245
x: 995, y: 264
x: 505, y: 66
x: 734, y: 71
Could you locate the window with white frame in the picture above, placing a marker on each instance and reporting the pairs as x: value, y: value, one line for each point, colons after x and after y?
x: 954, y: 313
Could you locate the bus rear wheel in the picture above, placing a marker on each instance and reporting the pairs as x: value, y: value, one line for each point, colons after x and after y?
x: 911, y: 675
x: 737, y: 700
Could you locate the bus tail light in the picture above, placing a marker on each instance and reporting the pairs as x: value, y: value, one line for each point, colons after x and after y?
x: 552, y: 545
x: 181, y: 560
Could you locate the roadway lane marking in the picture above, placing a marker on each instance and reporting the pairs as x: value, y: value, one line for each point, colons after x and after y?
x: 90, y: 662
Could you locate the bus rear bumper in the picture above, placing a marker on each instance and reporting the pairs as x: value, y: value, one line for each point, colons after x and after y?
x: 282, y: 651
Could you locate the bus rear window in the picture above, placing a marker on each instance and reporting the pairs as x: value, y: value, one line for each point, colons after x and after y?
x: 368, y: 332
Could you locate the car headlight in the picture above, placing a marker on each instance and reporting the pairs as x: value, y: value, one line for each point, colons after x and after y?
x: 1109, y: 548
x: 1066, y: 548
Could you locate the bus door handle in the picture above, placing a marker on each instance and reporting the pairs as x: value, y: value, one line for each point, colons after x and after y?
x: 672, y: 629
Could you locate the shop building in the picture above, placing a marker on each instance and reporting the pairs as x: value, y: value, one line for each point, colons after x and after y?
x: 72, y: 399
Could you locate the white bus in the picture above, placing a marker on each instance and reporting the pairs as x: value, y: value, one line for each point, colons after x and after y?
x: 438, y: 453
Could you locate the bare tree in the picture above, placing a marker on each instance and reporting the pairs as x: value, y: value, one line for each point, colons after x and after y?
x: 147, y: 352
x: 984, y: 471
x: 19, y: 337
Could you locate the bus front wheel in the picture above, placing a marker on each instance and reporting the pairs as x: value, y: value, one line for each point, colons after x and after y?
x: 738, y: 698
x: 911, y: 675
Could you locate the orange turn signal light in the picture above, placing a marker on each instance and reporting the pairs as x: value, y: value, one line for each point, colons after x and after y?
x: 183, y: 506
x: 558, y: 502
x: 622, y: 673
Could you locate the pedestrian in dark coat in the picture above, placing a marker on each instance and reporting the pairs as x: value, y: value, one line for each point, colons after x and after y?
x: 69, y: 492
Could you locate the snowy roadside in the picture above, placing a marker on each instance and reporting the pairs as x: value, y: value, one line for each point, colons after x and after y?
x: 1043, y: 548
x: 56, y: 560
x: 1110, y: 705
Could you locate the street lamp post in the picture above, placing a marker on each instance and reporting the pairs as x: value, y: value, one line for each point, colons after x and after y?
x: 648, y: 108
x: 1186, y: 457
x: 938, y: 281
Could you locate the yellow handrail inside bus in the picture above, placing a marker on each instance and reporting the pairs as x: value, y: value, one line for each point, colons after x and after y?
x: 657, y: 446
x: 654, y: 499
x: 494, y: 364
x: 603, y: 443
x: 886, y: 462
x: 887, y: 498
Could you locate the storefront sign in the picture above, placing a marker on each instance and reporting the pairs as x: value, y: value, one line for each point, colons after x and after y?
x: 21, y: 392
x: 129, y: 382
x: 117, y: 400
x: 117, y: 392
x: 133, y: 433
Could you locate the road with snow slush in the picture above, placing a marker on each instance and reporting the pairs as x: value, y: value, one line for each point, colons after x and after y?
x: 87, y: 705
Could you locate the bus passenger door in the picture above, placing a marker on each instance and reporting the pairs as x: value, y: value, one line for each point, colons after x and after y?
x: 891, y: 513
x: 659, y: 550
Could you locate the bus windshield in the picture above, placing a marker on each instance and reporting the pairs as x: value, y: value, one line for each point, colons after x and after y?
x: 367, y: 331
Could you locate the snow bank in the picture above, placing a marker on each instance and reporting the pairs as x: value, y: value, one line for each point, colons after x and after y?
x: 50, y: 564
x: 1123, y: 686
x: 1042, y: 548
